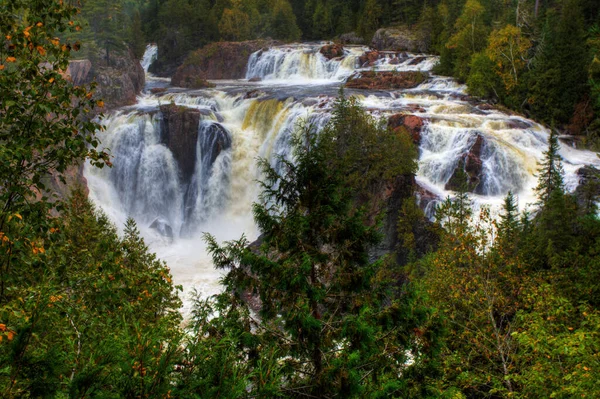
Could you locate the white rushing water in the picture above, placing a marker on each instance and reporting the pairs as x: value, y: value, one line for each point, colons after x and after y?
x: 241, y: 122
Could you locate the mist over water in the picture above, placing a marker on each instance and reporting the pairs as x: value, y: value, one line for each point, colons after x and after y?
x: 298, y: 83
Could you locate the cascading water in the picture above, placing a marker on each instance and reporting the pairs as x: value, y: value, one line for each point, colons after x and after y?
x: 149, y: 57
x: 300, y: 63
x: 240, y: 122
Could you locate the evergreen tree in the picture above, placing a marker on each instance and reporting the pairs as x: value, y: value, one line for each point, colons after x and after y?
x: 283, y: 22
x: 470, y: 37
x: 340, y: 323
x: 370, y: 17
x: 550, y: 173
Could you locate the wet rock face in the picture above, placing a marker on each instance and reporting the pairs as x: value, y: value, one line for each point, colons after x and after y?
x: 351, y: 38
x: 332, y: 51
x: 179, y: 132
x: 397, y: 40
x: 412, y: 123
x: 223, y: 60
x: 473, y: 167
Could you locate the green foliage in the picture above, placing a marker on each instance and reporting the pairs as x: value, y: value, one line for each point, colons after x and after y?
x: 334, y: 321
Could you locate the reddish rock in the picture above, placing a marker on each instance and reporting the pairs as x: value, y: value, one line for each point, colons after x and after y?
x: 386, y: 80
x: 369, y: 58
x: 331, y: 51
x: 411, y: 123
x: 255, y: 79
x: 417, y: 60
x: 158, y: 90
x: 472, y: 165
x: 394, y: 61
x: 416, y: 108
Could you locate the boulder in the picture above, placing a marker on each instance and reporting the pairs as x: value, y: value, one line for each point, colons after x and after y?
x: 255, y: 79
x: 397, y: 39
x: 222, y: 60
x: 411, y: 123
x: 417, y: 61
x: 179, y: 132
x: 351, y: 38
x: 472, y: 165
x: 369, y: 58
x: 427, y: 201
x: 162, y: 227
x: 331, y: 51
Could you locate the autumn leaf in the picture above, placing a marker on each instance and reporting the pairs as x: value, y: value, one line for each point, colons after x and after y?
x: 11, y: 59
x: 41, y: 50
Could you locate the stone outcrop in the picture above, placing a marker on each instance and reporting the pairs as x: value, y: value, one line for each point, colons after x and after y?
x: 331, y: 51
x: 351, y: 38
x: 411, y: 123
x: 79, y: 71
x: 397, y: 39
x: 223, y: 60
x: 179, y: 132
x: 472, y: 165
x: 369, y: 58
x: 119, y: 82
x: 370, y: 80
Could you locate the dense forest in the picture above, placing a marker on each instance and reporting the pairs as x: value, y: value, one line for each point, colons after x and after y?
x: 490, y: 308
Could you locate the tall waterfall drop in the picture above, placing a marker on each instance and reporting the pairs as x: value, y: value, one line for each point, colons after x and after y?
x: 180, y: 184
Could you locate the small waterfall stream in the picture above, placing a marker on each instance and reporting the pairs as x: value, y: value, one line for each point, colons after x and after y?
x: 240, y: 122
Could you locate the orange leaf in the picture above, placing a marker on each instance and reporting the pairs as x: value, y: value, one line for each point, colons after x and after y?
x: 41, y: 50
x: 11, y: 59
x: 2, y: 327
x: 1, y: 67
x: 100, y: 103
x: 39, y: 24
x: 10, y: 335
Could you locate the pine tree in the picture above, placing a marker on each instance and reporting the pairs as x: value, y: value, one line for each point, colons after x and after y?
x: 550, y: 173
x: 509, y: 226
x: 338, y: 320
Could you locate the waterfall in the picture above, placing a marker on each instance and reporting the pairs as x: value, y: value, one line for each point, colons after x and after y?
x: 150, y: 55
x: 236, y: 126
x: 300, y: 63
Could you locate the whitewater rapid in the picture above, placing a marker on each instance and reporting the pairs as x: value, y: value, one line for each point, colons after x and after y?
x: 246, y: 120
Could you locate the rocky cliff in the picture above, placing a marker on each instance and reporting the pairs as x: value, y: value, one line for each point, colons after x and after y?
x: 398, y: 39
x: 119, y: 82
x: 223, y: 60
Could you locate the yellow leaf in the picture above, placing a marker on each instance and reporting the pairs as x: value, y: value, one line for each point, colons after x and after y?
x: 39, y: 24
x: 51, y: 80
x: 18, y: 216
